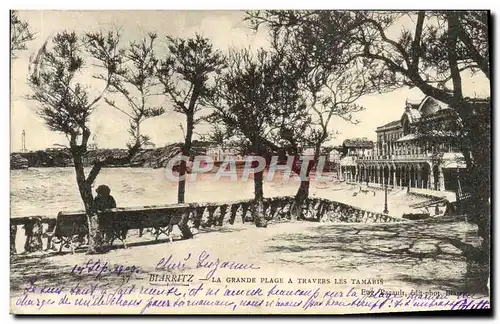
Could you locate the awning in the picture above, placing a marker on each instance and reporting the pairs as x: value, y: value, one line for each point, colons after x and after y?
x: 408, y: 137
x: 454, y: 165
x: 453, y: 161
x: 347, y: 161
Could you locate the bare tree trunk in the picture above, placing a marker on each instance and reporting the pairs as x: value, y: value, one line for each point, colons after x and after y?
x: 138, y: 134
x: 478, y: 261
x: 137, y: 145
x: 300, y: 197
x: 186, y: 149
x: 85, y: 188
x: 477, y: 150
x: 303, y: 191
x: 478, y: 143
x: 181, y: 189
x: 258, y: 209
x: 481, y: 213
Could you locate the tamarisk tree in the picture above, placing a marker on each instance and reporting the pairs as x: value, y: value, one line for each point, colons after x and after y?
x: 65, y: 104
x: 256, y: 101
x: 328, y: 86
x: 137, y: 83
x: 432, y: 51
x: 20, y: 34
x: 185, y: 73
x: 327, y: 95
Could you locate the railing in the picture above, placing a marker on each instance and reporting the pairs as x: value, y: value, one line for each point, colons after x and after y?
x: 37, y: 229
x: 423, y: 156
x: 329, y: 211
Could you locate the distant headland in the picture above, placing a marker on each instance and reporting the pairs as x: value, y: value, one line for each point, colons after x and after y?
x: 61, y: 157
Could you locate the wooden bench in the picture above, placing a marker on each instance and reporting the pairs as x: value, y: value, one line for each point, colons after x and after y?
x: 69, y: 226
x: 416, y: 216
x: 72, y: 226
x: 33, y: 229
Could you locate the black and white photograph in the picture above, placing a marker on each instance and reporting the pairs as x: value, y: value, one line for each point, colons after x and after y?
x: 250, y: 162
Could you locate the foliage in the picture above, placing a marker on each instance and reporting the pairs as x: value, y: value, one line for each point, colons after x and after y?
x: 430, y: 55
x: 137, y: 82
x: 186, y: 70
x: 327, y: 86
x: 256, y: 101
x: 66, y: 104
x: 20, y: 34
x: 186, y: 73
x: 431, y: 52
x: 418, y: 57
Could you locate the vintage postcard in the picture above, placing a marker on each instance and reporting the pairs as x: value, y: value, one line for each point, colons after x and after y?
x: 249, y: 162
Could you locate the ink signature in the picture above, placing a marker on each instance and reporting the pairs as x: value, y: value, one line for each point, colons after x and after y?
x: 205, y: 261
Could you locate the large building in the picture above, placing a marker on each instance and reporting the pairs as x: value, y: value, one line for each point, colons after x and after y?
x: 219, y: 153
x: 334, y: 156
x: 351, y: 151
x: 402, y: 159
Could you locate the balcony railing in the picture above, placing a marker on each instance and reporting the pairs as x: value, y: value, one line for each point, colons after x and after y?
x: 397, y: 157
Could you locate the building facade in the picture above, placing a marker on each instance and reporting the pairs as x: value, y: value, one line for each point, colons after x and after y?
x: 352, y: 151
x: 334, y: 156
x: 403, y: 159
x: 220, y: 154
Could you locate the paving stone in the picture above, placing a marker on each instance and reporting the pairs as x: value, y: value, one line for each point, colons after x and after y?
x: 450, y: 249
x: 424, y: 246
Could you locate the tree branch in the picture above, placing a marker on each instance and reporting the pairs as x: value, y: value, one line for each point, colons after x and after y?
x: 398, y: 46
x: 481, y: 61
x: 94, y: 173
x: 452, y: 55
x: 416, y: 50
x: 112, y: 104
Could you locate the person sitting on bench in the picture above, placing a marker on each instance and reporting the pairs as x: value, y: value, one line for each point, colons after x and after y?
x: 104, y: 200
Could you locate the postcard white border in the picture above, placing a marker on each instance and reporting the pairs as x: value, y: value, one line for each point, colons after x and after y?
x: 178, y: 5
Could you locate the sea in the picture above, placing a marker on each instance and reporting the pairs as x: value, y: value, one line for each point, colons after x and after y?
x: 46, y: 191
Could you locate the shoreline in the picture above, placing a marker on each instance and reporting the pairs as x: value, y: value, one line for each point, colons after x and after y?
x: 47, y: 191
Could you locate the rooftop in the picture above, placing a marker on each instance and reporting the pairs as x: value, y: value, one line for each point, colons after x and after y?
x: 348, y: 161
x: 358, y: 142
x: 394, y: 123
x: 408, y: 137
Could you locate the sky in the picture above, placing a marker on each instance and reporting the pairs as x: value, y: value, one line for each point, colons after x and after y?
x: 224, y: 28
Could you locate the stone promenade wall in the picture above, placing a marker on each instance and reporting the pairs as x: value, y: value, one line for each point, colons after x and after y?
x: 208, y: 215
x: 329, y: 211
